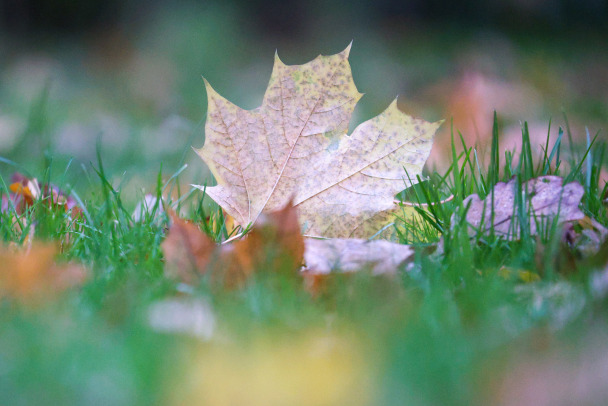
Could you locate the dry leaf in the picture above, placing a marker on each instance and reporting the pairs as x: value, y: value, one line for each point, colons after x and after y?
x: 274, y: 243
x: 31, y: 275
x: 324, y: 258
x: 24, y: 192
x: 295, y: 146
x: 351, y: 255
x: 545, y: 198
x: 187, y: 249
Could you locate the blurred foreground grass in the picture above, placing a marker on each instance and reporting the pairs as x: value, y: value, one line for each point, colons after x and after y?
x: 460, y: 328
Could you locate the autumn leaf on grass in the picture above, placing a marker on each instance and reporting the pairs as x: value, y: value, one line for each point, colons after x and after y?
x: 346, y: 255
x: 273, y: 244
x: 187, y: 249
x: 352, y: 254
x: 24, y: 192
x: 294, y: 146
x: 31, y: 275
x: 544, y: 200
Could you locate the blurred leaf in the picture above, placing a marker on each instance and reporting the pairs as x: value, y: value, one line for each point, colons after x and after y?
x: 186, y: 316
x: 326, y: 258
x: 313, y: 369
x: 187, y: 249
x: 24, y: 192
x: 351, y: 255
x: 274, y: 243
x: 31, y: 275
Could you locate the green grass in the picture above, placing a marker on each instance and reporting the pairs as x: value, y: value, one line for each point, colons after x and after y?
x: 441, y: 332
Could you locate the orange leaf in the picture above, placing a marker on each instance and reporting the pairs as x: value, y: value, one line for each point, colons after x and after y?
x: 31, y: 275
x: 274, y: 244
x: 187, y: 249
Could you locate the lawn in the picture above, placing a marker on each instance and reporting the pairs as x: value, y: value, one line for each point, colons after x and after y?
x: 479, y: 319
x: 473, y: 317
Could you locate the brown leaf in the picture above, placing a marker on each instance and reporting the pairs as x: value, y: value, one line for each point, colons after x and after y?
x: 294, y: 146
x: 274, y: 243
x: 187, y: 249
x: 545, y: 198
x: 31, y: 275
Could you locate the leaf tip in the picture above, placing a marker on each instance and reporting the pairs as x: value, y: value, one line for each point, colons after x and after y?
x: 346, y: 51
x: 394, y: 105
x: 437, y: 124
x: 210, y: 90
x: 277, y: 59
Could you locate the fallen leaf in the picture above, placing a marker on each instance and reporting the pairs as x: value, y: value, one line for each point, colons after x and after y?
x: 32, y: 275
x: 274, y: 243
x: 294, y: 147
x: 351, y: 255
x: 187, y: 249
x: 545, y: 198
x: 326, y: 258
x: 24, y: 192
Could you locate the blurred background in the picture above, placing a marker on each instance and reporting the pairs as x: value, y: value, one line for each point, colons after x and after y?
x: 126, y: 75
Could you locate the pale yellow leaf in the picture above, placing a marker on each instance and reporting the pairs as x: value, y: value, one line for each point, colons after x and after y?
x: 295, y: 146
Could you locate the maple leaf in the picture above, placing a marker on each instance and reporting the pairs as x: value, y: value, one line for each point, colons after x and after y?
x: 295, y: 146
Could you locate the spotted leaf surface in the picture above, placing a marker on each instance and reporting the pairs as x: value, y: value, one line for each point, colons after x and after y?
x: 295, y: 147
